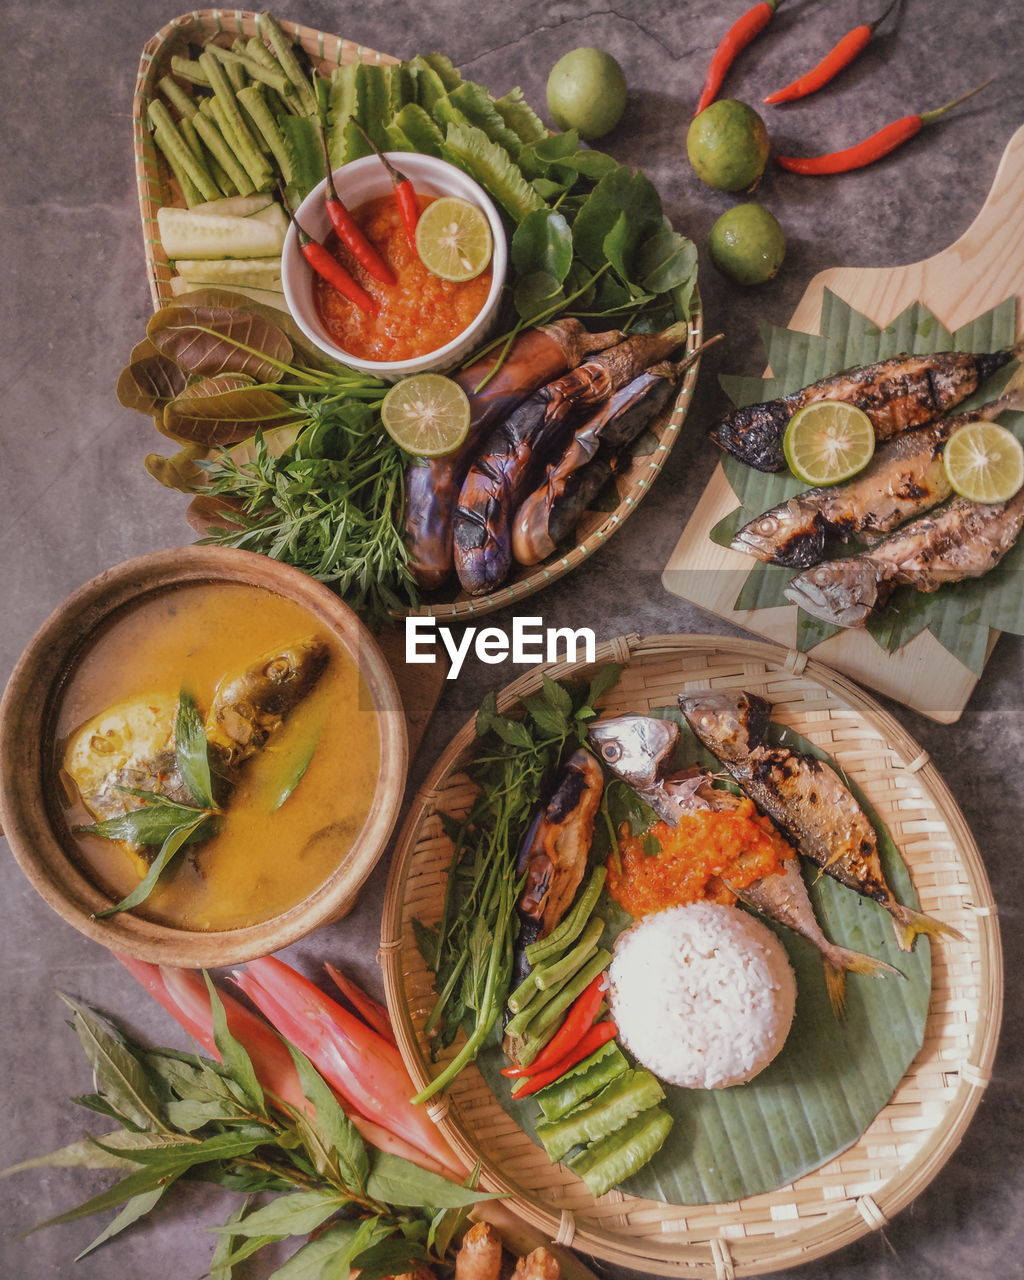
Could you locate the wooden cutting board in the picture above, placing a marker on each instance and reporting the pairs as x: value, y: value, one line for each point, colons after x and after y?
x: 981, y: 269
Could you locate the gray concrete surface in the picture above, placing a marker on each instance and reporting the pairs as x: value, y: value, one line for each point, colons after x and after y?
x: 75, y: 498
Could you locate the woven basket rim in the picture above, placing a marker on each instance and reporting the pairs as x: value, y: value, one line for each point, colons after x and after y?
x: 326, y: 48
x: 759, y: 1253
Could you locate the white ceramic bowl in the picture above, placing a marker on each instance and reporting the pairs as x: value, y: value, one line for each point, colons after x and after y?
x: 363, y: 180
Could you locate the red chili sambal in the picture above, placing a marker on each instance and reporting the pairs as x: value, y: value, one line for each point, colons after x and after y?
x: 695, y: 859
x: 418, y: 314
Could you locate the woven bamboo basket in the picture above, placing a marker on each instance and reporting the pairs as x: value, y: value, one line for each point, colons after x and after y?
x: 156, y: 188
x: 912, y: 1137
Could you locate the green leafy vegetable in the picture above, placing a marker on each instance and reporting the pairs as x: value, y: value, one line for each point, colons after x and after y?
x: 190, y: 751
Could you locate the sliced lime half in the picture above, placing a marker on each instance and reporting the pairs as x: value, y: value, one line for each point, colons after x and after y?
x: 828, y: 441
x: 453, y: 239
x: 427, y: 414
x: 984, y: 462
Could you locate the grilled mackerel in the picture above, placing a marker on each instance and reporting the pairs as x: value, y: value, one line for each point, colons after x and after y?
x: 901, y: 392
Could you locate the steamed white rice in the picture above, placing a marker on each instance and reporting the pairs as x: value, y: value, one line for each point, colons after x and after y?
x: 703, y: 995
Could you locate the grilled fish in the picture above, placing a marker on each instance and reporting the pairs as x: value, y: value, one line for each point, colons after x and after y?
x: 638, y: 749
x: 901, y: 392
x: 962, y: 540
x: 554, y: 852
x: 805, y: 798
x: 131, y: 744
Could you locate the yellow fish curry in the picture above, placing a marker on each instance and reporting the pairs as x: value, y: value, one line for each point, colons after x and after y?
x: 217, y: 719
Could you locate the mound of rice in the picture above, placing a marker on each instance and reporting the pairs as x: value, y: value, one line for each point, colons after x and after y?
x: 703, y: 995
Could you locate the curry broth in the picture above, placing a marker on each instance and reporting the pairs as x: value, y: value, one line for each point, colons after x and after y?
x: 261, y: 862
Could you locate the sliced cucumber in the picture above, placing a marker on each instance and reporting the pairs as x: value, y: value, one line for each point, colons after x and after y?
x: 236, y: 206
x: 269, y: 297
x: 185, y: 234
x: 255, y: 273
x: 273, y: 215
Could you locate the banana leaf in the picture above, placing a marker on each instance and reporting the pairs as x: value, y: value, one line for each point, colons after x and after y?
x: 959, y: 615
x: 832, y: 1077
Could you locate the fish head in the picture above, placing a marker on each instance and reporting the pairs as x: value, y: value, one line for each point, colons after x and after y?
x: 729, y: 722
x: 792, y: 534
x: 842, y: 592
x: 634, y: 747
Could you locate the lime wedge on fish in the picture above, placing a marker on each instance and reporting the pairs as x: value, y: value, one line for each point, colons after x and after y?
x: 453, y: 239
x: 828, y: 441
x: 984, y: 462
x: 427, y: 414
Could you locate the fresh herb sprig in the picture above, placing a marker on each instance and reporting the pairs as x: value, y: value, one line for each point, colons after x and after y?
x: 470, y: 949
x: 181, y: 1116
x: 160, y: 820
x: 332, y: 505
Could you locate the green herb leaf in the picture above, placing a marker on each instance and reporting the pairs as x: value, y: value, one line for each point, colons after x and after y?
x: 666, y: 261
x: 149, y: 825
x: 232, y: 1052
x: 176, y: 1155
x: 134, y: 1184
x: 192, y: 751
x: 171, y: 845
x: 221, y: 1267
x: 602, y: 681
x: 558, y: 698
x: 618, y: 193
x: 535, y: 294
x: 543, y: 243
x: 291, y: 1215
x: 134, y: 1209
x: 295, y: 771
x: 87, y: 1154
x: 397, y: 1255
x: 397, y: 1181
x: 337, y: 1132
x: 330, y: 1253
x: 120, y: 1076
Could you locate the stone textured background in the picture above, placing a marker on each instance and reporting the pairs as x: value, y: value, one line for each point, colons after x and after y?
x: 76, y: 500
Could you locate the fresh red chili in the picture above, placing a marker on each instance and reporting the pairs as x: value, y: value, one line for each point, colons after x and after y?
x: 351, y: 235
x: 405, y: 192
x: 838, y: 57
x: 594, y: 1039
x: 330, y: 269
x: 573, y: 1029
x: 735, y: 40
x: 873, y: 148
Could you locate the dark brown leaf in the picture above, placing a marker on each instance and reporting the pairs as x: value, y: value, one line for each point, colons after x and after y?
x: 150, y: 380
x: 210, y: 340
x: 224, y: 409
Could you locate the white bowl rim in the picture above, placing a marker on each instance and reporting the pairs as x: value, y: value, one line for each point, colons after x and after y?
x: 440, y: 169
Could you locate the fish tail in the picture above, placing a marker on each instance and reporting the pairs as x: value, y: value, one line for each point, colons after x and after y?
x: 908, y: 924
x: 839, y: 962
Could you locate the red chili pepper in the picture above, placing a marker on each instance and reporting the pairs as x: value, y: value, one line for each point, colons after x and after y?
x: 405, y: 192
x: 330, y: 269
x: 351, y: 235
x: 594, y: 1039
x: 735, y: 40
x: 573, y: 1029
x: 873, y: 148
x: 838, y: 57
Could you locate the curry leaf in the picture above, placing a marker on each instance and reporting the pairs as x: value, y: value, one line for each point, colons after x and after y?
x: 295, y: 769
x: 171, y: 845
x: 152, y: 824
x: 120, y: 1076
x: 224, y: 409
x: 397, y: 1181
x: 211, y: 340
x: 191, y: 751
x: 543, y: 242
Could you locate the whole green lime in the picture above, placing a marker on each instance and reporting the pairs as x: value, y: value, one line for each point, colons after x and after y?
x: 747, y: 244
x: 728, y: 145
x: 587, y: 92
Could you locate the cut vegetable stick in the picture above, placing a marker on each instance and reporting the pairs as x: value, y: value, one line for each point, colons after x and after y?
x: 185, y: 69
x: 219, y: 148
x: 237, y: 207
x: 177, y: 97
x: 274, y: 215
x: 258, y: 111
x: 160, y: 118
x: 257, y: 273
x: 206, y: 157
x: 282, y: 50
x: 249, y: 156
x: 185, y: 234
x: 253, y: 69
x: 190, y: 192
x: 188, y: 132
x: 269, y: 298
x: 247, y: 147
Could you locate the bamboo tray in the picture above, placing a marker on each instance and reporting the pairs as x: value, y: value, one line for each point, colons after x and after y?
x: 156, y: 188
x: 911, y: 1138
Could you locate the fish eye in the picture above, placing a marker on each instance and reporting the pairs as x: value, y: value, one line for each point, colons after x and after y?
x: 766, y: 525
x: 611, y: 751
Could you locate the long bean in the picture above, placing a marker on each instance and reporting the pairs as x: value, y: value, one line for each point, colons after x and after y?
x: 283, y: 52
x: 542, y: 1028
x: 516, y: 1026
x: 177, y: 97
x: 524, y: 993
x: 250, y: 158
x: 561, y: 970
x: 185, y: 69
x: 253, y: 68
x: 219, y: 149
x: 570, y: 928
x: 253, y: 101
x: 248, y: 149
x: 202, y: 180
x: 189, y: 190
